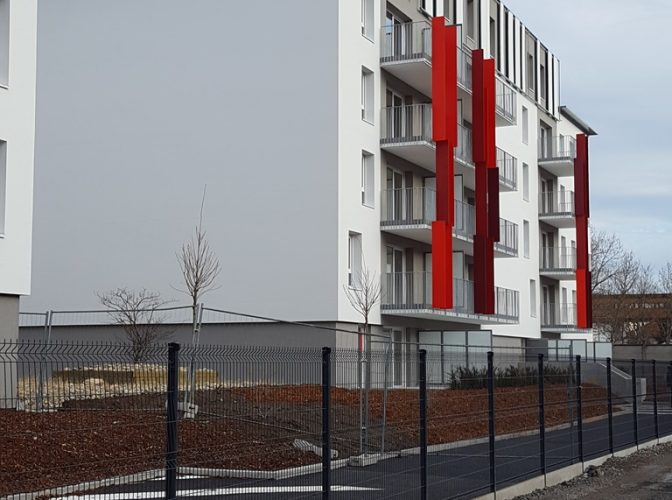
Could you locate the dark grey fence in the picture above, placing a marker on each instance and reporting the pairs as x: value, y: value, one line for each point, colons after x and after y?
x: 83, y: 419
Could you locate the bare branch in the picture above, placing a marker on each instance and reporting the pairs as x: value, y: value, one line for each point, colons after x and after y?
x: 139, y: 316
x: 364, y: 293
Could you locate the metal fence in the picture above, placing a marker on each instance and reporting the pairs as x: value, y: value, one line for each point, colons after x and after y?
x: 84, y: 419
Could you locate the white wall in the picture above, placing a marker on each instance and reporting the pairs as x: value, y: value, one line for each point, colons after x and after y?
x: 17, y: 128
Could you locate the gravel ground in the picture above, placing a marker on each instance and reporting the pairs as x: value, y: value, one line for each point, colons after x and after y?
x: 645, y: 475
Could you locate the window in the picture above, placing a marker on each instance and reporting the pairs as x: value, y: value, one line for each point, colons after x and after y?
x: 526, y: 182
x: 428, y: 7
x: 367, y: 179
x: 471, y: 17
x: 526, y: 239
x: 526, y: 126
x: 4, y: 43
x: 367, y: 95
x: 354, y: 259
x: 367, y: 19
x: 3, y: 184
x: 533, y: 298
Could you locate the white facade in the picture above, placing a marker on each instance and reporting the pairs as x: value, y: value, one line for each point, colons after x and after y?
x: 275, y: 117
x: 18, y: 25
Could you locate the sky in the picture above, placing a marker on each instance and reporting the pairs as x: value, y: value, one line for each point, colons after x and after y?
x: 616, y: 74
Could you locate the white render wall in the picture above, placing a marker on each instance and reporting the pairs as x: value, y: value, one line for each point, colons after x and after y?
x: 17, y: 128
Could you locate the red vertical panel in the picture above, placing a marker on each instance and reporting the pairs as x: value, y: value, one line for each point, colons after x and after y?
x: 442, y: 265
x: 582, y: 210
x: 478, y: 107
x: 451, y: 82
x: 439, y: 76
x: 489, y: 113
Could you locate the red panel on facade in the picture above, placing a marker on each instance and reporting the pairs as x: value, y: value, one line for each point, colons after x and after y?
x: 489, y: 113
x: 582, y: 210
x: 439, y: 77
x: 582, y: 243
x: 493, y: 204
x: 584, y: 301
x: 445, y: 182
x: 442, y: 265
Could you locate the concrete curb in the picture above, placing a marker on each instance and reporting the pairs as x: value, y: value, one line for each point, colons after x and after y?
x: 261, y: 474
x: 89, y: 485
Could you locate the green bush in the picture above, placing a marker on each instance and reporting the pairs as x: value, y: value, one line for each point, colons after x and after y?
x: 465, y: 377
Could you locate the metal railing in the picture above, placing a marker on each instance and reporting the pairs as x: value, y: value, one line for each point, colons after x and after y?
x: 508, y: 236
x: 406, y: 41
x: 408, y: 123
x: 464, y: 149
x: 464, y: 219
x: 562, y: 147
x: 558, y: 315
x: 464, y: 68
x: 505, y: 101
x: 408, y: 206
x: 413, y: 290
x: 507, y: 303
x: 557, y: 259
x: 556, y: 203
x: 508, y: 169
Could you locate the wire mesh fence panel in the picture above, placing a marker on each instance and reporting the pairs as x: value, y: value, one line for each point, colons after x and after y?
x: 596, y: 406
x: 80, y: 417
x: 625, y: 404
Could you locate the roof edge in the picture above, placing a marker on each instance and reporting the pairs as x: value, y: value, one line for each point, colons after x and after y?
x: 572, y: 117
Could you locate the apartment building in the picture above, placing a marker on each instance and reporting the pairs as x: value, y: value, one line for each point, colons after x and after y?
x: 424, y: 141
x: 18, y: 24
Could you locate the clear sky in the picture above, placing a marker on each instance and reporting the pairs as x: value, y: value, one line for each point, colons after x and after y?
x: 616, y: 74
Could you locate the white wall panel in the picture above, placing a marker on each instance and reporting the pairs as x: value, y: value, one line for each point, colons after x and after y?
x: 509, y: 55
x: 517, y: 43
x: 538, y: 63
x: 556, y: 87
x: 523, y: 58
x: 459, y: 12
x: 484, y: 8
x: 500, y: 29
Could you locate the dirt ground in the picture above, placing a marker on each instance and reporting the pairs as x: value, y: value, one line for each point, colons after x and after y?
x: 248, y: 428
x: 645, y: 475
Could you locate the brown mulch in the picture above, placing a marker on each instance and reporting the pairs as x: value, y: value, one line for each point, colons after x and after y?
x: 249, y: 428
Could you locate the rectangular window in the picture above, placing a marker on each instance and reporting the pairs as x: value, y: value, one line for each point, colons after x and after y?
x: 367, y: 179
x: 3, y: 184
x: 526, y: 182
x: 4, y: 43
x: 428, y: 7
x: 354, y: 259
x: 470, y: 19
x: 526, y: 126
x: 367, y: 19
x: 526, y: 239
x: 533, y: 298
x: 367, y: 95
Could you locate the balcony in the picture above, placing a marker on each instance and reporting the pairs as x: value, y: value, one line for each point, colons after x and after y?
x: 508, y: 171
x: 557, y: 154
x: 406, y: 131
x: 464, y: 159
x: 505, y: 104
x: 410, y: 294
x: 558, y: 317
x: 464, y: 69
x: 556, y: 208
x: 507, y: 246
x: 558, y: 262
x: 409, y: 212
x: 407, y: 53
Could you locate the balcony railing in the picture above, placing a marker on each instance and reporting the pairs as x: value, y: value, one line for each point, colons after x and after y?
x: 556, y: 203
x: 507, y: 303
x: 505, y: 101
x: 558, y: 315
x: 561, y: 147
x: 465, y: 219
x: 409, y: 123
x: 464, y: 68
x: 508, y: 237
x: 413, y: 291
x: 464, y: 150
x: 408, y: 206
x: 407, y: 41
x: 508, y: 169
x: 557, y: 259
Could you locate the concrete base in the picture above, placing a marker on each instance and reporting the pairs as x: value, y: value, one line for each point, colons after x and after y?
x: 523, y: 488
x: 564, y: 474
x: 626, y: 452
x: 9, y: 331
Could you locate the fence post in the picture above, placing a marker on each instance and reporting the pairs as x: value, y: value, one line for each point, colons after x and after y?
x: 491, y: 420
x: 610, y: 409
x: 326, y: 433
x: 172, y: 442
x: 542, y: 417
x: 422, y: 379
x: 655, y: 397
x: 633, y: 363
x: 579, y: 406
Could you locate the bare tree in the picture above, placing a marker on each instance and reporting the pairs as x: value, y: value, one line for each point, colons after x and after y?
x: 664, y: 316
x: 606, y: 255
x: 198, y: 263
x: 139, y: 316
x: 363, y: 294
x: 639, y: 325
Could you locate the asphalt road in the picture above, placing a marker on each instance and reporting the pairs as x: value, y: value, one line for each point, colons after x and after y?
x: 456, y: 473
